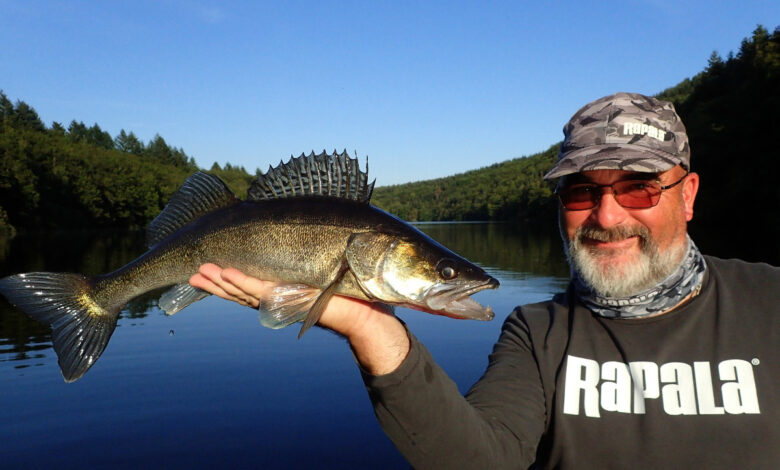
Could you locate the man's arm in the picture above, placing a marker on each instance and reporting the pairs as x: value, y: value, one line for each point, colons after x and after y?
x: 378, y: 338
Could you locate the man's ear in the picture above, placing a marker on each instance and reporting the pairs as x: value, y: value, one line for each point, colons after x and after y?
x: 689, y: 189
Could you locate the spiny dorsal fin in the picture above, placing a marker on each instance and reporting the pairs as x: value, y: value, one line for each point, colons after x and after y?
x: 314, y: 175
x: 199, y: 195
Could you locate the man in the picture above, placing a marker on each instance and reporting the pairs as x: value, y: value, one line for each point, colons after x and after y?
x: 655, y: 357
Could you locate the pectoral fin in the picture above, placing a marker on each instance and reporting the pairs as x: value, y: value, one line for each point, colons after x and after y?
x: 288, y: 304
x: 319, y: 305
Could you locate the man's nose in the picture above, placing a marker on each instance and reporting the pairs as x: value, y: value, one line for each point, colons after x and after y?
x: 608, y: 213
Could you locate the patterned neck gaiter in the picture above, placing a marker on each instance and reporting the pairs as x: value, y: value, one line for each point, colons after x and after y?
x: 686, y: 280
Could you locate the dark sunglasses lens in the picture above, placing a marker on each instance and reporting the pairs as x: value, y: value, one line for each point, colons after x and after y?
x: 637, y: 194
x: 578, y: 197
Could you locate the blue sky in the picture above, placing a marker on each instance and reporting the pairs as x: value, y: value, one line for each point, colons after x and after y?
x: 425, y: 89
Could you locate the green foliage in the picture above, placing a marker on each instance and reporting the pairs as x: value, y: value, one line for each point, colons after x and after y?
x: 22, y: 115
x: 83, y: 178
x: 511, y: 190
x: 56, y: 128
x: 50, y: 181
x: 160, y: 151
x: 128, y: 143
x: 236, y: 178
x: 26, y: 117
x: 7, y: 230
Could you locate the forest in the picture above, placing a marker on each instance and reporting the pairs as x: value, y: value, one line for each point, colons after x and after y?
x: 74, y: 177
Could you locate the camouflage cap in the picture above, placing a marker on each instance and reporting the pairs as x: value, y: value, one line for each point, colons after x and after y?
x: 624, y: 131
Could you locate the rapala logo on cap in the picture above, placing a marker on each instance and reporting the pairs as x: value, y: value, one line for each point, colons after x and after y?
x: 634, y: 128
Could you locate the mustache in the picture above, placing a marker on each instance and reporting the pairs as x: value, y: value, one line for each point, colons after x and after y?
x: 613, y: 234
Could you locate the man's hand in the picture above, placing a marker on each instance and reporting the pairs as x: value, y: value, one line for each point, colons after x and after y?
x: 378, y: 339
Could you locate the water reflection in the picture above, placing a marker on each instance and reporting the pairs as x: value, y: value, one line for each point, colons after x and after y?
x: 23, y: 340
x: 515, y: 249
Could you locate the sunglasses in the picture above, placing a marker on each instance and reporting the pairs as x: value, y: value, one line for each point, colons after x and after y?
x: 631, y: 194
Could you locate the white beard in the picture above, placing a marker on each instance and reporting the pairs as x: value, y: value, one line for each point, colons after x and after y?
x: 609, y: 279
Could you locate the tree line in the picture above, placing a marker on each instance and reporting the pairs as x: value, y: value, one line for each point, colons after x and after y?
x: 510, y: 190
x: 79, y: 176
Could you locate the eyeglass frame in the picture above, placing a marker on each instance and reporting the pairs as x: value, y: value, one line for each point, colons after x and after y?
x: 614, y: 193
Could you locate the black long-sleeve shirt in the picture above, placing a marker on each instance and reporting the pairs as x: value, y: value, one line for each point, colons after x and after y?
x: 693, y: 388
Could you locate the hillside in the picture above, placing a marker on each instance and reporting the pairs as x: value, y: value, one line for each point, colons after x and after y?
x: 511, y: 190
x: 54, y: 178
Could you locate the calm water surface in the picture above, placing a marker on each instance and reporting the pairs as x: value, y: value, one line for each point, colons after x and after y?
x: 210, y: 387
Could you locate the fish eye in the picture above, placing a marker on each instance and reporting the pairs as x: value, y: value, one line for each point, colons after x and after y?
x: 447, y: 269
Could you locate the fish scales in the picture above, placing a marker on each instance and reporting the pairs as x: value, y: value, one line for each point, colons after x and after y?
x: 293, y: 240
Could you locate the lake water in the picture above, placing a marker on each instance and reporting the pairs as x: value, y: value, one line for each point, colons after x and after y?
x: 210, y: 387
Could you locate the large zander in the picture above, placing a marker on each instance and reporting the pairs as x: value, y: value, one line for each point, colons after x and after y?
x: 306, y: 224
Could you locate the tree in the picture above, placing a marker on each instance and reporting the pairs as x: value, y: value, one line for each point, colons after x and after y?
x: 6, y: 108
x: 159, y: 150
x: 26, y: 116
x: 715, y: 64
x: 96, y: 136
x: 77, y: 131
x: 129, y: 143
x: 57, y: 129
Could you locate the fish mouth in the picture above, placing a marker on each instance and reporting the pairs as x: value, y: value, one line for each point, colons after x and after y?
x: 453, y: 300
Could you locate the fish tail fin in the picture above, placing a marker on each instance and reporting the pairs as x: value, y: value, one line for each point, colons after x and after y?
x: 80, y: 326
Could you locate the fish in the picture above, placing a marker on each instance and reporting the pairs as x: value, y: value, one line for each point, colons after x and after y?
x: 308, y: 225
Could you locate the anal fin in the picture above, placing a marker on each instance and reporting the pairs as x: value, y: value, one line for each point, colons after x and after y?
x: 180, y: 296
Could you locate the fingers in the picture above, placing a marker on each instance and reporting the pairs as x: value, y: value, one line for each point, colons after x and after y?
x: 202, y: 282
x: 206, y: 279
x: 247, y: 284
x: 229, y: 284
